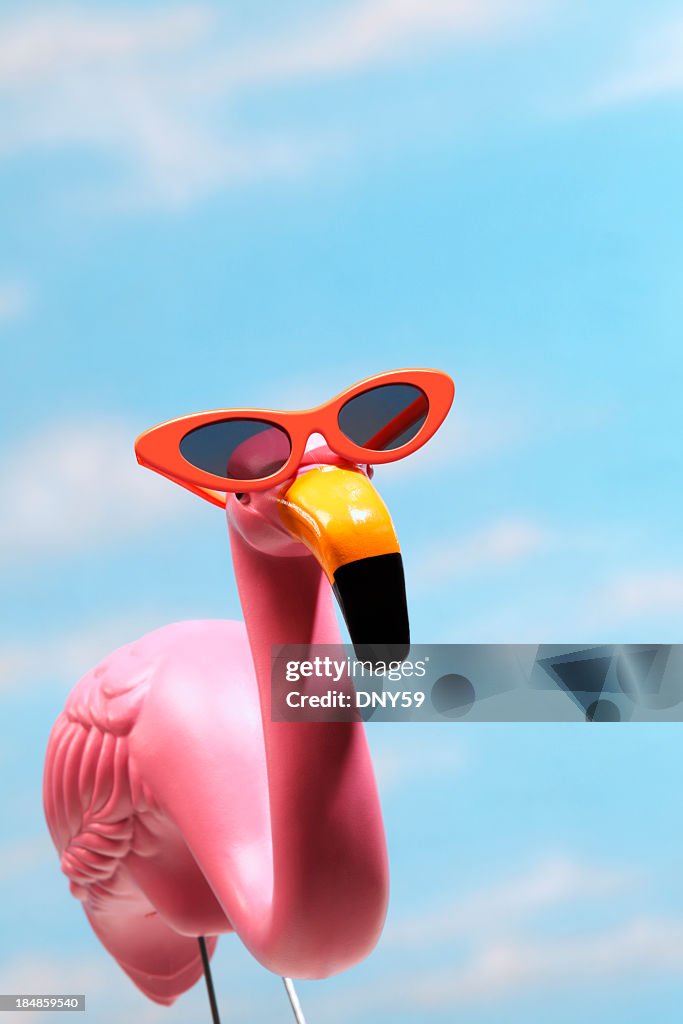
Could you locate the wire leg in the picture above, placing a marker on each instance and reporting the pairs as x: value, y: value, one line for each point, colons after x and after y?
x: 287, y: 982
x: 209, y: 980
x: 294, y: 1001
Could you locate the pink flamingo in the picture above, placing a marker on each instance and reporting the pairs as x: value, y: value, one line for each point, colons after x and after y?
x: 181, y: 811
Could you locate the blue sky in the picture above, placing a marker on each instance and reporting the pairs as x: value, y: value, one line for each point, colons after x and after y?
x: 209, y: 206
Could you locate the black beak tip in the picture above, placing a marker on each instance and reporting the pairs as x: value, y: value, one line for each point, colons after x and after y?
x: 376, y: 653
x: 372, y: 596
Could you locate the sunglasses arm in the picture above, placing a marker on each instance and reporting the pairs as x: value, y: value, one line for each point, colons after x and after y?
x: 218, y: 498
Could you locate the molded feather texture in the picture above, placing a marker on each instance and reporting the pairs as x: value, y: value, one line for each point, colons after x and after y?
x: 110, y: 695
x: 88, y: 802
x: 89, y: 795
x: 100, y: 813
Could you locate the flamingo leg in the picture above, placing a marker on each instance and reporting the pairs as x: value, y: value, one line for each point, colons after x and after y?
x: 294, y: 1001
x: 209, y: 981
x: 287, y: 982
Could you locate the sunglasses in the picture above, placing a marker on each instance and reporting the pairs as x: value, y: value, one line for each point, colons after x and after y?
x: 381, y: 419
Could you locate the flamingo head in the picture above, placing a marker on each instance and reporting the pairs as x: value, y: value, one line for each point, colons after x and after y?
x: 329, y: 508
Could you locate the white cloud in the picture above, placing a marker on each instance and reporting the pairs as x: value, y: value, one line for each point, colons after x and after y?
x: 492, y: 956
x: 123, y: 84
x: 500, y: 908
x: 372, y: 32
x: 61, y: 659
x: 75, y: 484
x: 645, y: 592
x: 14, y: 300
x: 37, y: 46
x: 155, y: 90
x: 640, y: 947
x: 653, y: 67
x: 499, y: 544
x: 23, y: 855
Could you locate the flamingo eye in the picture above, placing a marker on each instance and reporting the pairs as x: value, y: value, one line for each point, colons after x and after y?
x: 242, y: 497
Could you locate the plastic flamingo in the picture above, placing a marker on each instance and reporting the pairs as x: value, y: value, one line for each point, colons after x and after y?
x: 179, y: 808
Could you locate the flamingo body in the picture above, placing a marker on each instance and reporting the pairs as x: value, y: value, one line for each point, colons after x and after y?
x: 115, y: 803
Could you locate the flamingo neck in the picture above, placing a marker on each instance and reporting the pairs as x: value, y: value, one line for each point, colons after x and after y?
x: 325, y: 817
x: 285, y: 601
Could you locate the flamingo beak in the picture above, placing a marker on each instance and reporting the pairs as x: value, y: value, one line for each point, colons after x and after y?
x: 342, y: 520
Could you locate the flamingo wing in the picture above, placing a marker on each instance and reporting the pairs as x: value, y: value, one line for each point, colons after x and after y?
x: 92, y: 806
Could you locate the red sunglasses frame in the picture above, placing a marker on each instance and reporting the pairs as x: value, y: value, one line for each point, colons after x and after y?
x: 159, y: 447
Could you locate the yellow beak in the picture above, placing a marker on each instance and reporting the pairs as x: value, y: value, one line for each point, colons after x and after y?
x: 339, y: 516
x: 341, y: 519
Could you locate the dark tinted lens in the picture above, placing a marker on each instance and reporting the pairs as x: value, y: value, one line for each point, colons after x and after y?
x: 385, y: 417
x: 240, y: 449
